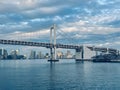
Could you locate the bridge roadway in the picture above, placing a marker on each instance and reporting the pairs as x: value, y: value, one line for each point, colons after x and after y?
x: 38, y: 44
x: 110, y: 50
x: 48, y: 45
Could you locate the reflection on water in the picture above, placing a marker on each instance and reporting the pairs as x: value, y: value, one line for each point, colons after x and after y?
x: 64, y: 75
x: 52, y: 76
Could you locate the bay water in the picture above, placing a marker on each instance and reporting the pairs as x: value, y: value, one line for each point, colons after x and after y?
x: 63, y: 75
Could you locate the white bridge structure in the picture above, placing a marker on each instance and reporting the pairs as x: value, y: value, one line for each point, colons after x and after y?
x: 81, y: 52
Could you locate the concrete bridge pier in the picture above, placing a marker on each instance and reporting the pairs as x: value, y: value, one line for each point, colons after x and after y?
x: 79, y: 56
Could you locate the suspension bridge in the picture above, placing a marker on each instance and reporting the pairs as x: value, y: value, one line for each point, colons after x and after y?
x: 52, y: 45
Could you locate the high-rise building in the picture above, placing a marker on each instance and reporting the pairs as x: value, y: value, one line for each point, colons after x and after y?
x: 5, y: 54
x: 69, y: 54
x: 1, y: 54
x: 39, y: 55
x: 32, y: 55
x: 42, y: 55
x: 14, y: 54
x: 59, y: 54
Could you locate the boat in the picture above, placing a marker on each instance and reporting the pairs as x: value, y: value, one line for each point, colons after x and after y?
x: 106, y: 58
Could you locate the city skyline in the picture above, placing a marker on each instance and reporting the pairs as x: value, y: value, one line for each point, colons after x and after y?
x: 33, y: 54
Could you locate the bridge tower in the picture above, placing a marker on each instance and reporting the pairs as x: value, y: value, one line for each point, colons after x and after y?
x: 79, y: 56
x: 53, y: 44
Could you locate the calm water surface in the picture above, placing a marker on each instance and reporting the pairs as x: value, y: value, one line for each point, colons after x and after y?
x: 64, y: 75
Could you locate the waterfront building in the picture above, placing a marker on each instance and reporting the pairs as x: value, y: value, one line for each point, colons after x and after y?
x: 68, y: 54
x: 14, y: 54
x: 39, y: 55
x: 42, y: 55
x: 32, y: 55
x: 1, y: 54
x: 59, y: 54
x: 5, y: 54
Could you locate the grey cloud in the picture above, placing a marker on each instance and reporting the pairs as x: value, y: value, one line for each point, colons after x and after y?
x: 98, y: 17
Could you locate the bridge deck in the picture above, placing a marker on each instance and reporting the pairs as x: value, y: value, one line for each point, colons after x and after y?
x: 37, y: 44
x: 48, y: 45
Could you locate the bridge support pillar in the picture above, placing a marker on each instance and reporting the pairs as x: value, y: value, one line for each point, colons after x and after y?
x: 53, y: 44
x: 79, y: 56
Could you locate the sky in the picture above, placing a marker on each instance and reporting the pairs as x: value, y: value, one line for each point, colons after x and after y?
x: 90, y: 22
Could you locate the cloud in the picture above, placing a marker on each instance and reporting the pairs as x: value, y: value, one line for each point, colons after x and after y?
x: 40, y: 19
x: 41, y: 11
x: 82, y: 21
x: 17, y: 35
x: 105, y: 17
x: 106, y: 2
x: 11, y: 27
x: 84, y: 27
x: 17, y: 5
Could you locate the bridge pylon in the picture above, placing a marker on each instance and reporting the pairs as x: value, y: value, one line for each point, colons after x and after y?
x: 79, y: 56
x: 53, y: 44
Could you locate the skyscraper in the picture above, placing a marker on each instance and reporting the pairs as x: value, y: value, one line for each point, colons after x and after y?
x: 5, y: 54
x: 32, y: 55
x: 39, y: 55
x: 14, y: 54
x: 0, y: 53
x: 69, y: 54
x: 59, y: 54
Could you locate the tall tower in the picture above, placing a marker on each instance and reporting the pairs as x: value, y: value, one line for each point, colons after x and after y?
x: 32, y: 55
x: 5, y: 54
x: 53, y: 44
